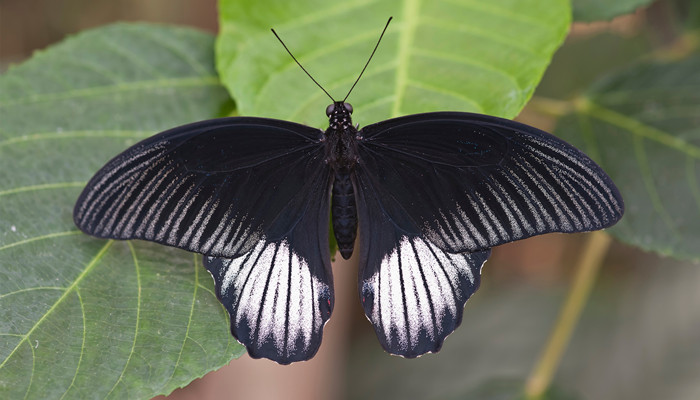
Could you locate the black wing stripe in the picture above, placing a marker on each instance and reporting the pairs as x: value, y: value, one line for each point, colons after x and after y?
x: 109, y: 217
x: 416, y: 295
x: 276, y: 303
x: 142, y: 220
x: 524, y: 219
x: 534, y: 206
x: 160, y: 211
x: 133, y: 221
x: 193, y: 234
x: 543, y: 193
x: 266, y: 305
x: 515, y: 223
x: 150, y: 183
x: 182, y: 212
x: 579, y: 169
x: 583, y: 200
x: 580, y: 200
x: 421, y: 282
x: 499, y: 233
x: 567, y: 218
x: 228, y: 243
x: 106, y: 187
x: 108, y: 181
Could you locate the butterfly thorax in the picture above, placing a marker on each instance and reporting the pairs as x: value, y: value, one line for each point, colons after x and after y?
x: 341, y: 156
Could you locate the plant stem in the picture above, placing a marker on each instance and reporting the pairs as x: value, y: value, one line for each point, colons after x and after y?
x: 586, y: 272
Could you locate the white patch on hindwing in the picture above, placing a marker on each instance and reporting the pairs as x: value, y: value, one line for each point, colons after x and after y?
x: 415, y: 287
x: 274, y: 291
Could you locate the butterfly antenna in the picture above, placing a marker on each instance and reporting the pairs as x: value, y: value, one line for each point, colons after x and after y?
x: 370, y: 59
x: 300, y: 66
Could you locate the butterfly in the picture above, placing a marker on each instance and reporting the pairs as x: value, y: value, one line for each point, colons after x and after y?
x: 431, y: 194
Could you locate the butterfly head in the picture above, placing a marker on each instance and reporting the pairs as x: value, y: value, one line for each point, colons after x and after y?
x: 339, y: 115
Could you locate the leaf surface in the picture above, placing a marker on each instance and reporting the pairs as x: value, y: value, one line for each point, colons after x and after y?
x: 642, y: 125
x: 460, y: 55
x: 82, y: 317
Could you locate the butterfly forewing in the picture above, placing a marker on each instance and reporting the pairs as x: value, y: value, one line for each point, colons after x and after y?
x: 468, y: 182
x: 215, y: 187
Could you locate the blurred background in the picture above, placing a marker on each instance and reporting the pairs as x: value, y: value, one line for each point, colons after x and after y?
x: 639, y: 335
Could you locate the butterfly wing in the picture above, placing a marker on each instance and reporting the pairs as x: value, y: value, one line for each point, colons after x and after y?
x: 253, y: 191
x: 437, y: 191
x: 413, y: 292
x: 280, y: 294
x: 477, y: 181
x: 212, y: 187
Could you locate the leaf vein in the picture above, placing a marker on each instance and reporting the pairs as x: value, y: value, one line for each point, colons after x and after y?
x: 450, y: 93
x: 410, y: 23
x: 121, y: 87
x: 31, y: 289
x: 502, y: 12
x: 128, y: 55
x: 74, y: 135
x: 640, y: 129
x: 42, y: 237
x: 168, y: 43
x: 31, y: 376
x: 69, y: 289
x: 645, y: 169
x: 189, y: 320
x: 82, y: 344
x: 464, y: 61
x: 138, y: 317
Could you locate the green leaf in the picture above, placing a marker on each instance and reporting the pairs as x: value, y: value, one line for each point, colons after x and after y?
x: 584, y: 59
x: 642, y: 126
x: 466, y: 55
x: 83, y: 317
x: 596, y: 10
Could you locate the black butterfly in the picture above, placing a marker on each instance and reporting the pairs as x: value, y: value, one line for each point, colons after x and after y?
x: 432, y: 193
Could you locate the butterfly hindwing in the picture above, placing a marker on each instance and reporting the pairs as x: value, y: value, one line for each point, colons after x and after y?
x: 468, y: 182
x: 214, y: 187
x: 413, y: 292
x: 280, y: 294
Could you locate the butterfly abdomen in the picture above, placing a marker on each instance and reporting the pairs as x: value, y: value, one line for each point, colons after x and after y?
x: 344, y: 213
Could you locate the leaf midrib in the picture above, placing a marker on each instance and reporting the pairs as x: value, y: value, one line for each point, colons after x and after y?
x: 641, y: 129
x: 410, y: 22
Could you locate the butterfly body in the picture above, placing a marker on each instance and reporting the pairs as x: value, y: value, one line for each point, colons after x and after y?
x: 342, y: 157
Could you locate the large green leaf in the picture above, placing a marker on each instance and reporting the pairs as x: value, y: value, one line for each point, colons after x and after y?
x: 82, y: 317
x: 466, y: 55
x: 595, y: 10
x: 643, y: 126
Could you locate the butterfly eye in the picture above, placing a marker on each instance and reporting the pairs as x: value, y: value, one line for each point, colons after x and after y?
x: 330, y: 109
x: 348, y: 107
